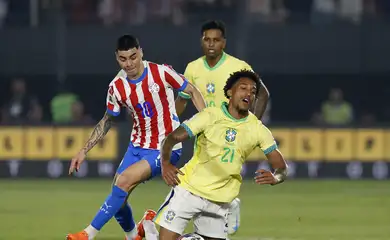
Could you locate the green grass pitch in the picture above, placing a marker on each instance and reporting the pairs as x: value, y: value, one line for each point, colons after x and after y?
x: 307, y: 210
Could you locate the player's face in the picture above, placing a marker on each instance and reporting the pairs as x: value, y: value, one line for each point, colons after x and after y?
x: 243, y: 94
x: 213, y: 43
x: 130, y: 61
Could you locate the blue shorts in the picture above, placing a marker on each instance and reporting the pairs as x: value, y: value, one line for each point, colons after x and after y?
x: 136, y: 154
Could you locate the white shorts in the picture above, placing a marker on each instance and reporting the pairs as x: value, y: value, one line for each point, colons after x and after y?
x: 181, y: 206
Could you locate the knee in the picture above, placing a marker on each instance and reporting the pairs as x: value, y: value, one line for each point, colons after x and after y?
x: 125, y: 183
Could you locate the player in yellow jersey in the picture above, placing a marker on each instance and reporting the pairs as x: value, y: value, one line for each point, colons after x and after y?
x: 204, y: 188
x: 209, y: 73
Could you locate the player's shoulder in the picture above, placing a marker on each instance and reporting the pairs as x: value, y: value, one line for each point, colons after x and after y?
x: 120, y: 76
x: 196, y: 63
x: 236, y: 61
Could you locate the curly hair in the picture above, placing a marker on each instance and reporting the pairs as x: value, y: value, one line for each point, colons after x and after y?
x: 234, y: 77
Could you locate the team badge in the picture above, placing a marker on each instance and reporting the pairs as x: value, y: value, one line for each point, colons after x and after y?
x: 169, y: 216
x: 230, y: 135
x: 210, y: 87
x: 154, y: 88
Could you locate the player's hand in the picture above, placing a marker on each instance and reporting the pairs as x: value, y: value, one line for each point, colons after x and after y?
x: 169, y: 174
x: 76, y: 162
x: 265, y: 177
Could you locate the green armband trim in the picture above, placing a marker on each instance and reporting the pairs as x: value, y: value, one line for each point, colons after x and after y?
x: 184, y: 95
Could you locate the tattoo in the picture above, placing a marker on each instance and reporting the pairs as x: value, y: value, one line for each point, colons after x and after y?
x: 98, y: 132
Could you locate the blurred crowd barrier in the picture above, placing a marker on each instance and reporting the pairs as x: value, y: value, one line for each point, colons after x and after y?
x: 45, y: 152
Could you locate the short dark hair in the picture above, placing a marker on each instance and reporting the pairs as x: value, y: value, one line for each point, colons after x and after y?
x: 126, y: 42
x: 214, y: 24
x: 234, y: 77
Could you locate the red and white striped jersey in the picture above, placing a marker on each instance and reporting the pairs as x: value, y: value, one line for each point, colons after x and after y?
x: 150, y: 100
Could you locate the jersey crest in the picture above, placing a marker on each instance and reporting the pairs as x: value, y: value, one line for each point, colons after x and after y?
x: 230, y: 135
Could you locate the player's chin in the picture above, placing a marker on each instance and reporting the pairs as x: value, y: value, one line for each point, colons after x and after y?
x: 244, y: 107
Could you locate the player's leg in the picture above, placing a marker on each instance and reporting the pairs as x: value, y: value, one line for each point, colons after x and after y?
x: 234, y: 216
x: 124, y: 216
x: 212, y: 222
x: 179, y: 208
x: 153, y: 158
x: 130, y: 173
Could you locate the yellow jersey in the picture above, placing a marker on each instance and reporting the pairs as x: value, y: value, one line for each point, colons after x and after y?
x: 210, y: 81
x: 222, y: 145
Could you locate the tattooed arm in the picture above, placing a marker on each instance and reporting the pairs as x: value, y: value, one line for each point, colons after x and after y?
x: 97, y: 134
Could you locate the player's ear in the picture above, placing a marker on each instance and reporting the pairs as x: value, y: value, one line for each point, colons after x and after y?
x: 141, y: 52
x: 229, y: 93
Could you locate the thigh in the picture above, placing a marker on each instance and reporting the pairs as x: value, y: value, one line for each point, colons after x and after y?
x: 154, y: 159
x: 131, y: 156
x: 212, y: 222
x: 178, y: 209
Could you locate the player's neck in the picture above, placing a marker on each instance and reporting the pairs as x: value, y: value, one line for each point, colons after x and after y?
x: 237, y: 114
x: 212, y: 62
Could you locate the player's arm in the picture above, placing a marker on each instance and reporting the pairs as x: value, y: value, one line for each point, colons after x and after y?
x: 261, y: 101
x: 275, y: 158
x: 188, y: 129
x: 196, y: 96
x: 100, y: 130
x: 180, y: 104
x: 182, y: 98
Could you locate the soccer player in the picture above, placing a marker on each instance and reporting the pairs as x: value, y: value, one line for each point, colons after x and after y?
x: 205, y: 186
x: 209, y: 73
x: 146, y: 90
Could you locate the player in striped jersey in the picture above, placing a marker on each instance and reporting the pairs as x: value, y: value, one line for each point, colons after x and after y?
x: 146, y: 90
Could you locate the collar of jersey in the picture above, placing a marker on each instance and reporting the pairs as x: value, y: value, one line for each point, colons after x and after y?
x: 142, y: 77
x: 219, y: 63
x: 224, y: 107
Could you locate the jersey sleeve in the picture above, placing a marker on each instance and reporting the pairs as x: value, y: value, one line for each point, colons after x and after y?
x: 173, y: 79
x: 188, y: 76
x: 266, y: 140
x: 112, y: 104
x: 199, y: 122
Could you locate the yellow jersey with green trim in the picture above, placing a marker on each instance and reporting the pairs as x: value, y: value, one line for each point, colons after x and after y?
x: 210, y: 81
x: 222, y: 145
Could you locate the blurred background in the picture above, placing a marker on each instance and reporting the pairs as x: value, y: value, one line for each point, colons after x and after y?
x: 326, y: 64
x: 315, y: 56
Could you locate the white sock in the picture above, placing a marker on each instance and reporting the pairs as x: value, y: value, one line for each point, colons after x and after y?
x: 132, y: 234
x: 92, y: 232
x: 151, y: 232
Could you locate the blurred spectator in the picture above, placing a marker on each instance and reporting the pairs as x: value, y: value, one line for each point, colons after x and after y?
x: 336, y: 111
x: 78, y: 114
x: 110, y: 11
x: 80, y: 11
x: 267, y: 10
x: 17, y: 109
x: 3, y: 11
x: 351, y: 10
x: 323, y: 11
x: 35, y: 115
x: 61, y: 106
